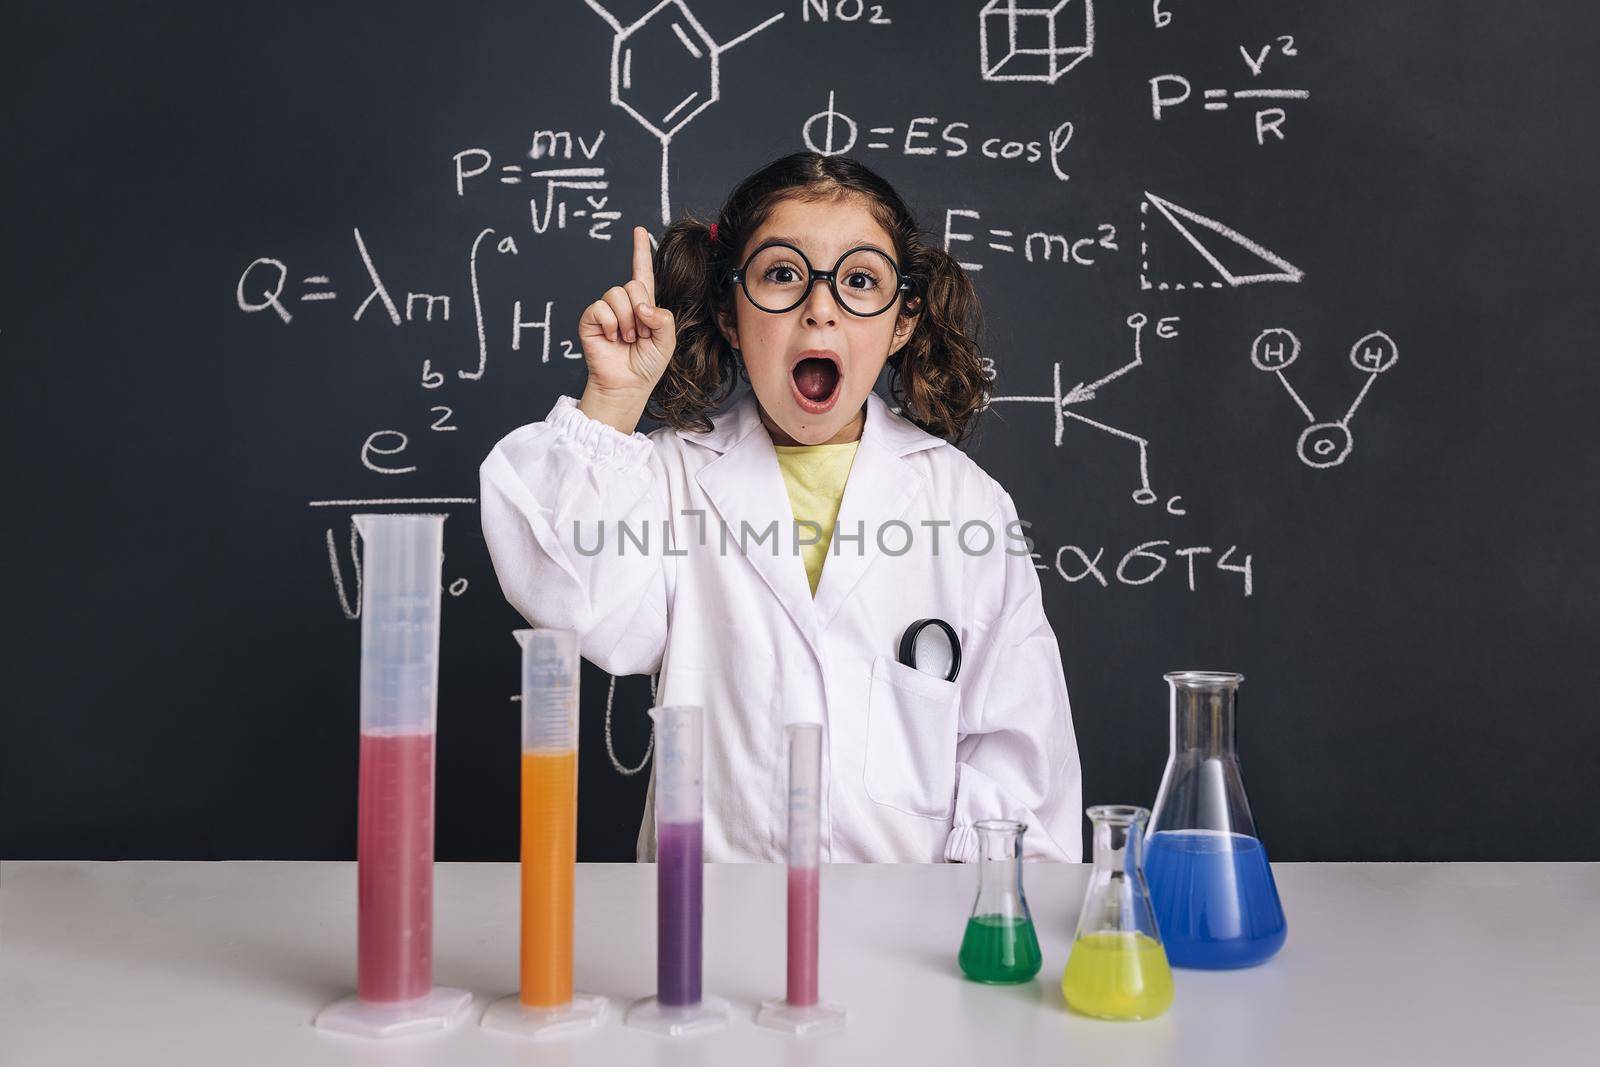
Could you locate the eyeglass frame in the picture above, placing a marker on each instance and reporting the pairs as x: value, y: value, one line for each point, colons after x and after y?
x: 903, y: 284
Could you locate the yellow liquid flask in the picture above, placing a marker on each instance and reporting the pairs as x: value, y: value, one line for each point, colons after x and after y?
x: 1117, y: 969
x: 546, y: 1006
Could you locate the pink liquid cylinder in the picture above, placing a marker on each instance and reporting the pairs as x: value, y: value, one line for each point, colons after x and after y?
x: 801, y: 1012
x: 803, y: 895
x: 394, y: 856
x: 395, y: 996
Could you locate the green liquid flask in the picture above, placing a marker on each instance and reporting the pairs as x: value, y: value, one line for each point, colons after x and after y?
x: 1000, y: 946
x: 1118, y: 968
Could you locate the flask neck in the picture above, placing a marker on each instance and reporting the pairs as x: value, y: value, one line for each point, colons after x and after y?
x: 1202, y: 715
x: 1000, y: 876
x: 1117, y: 845
x: 1000, y: 850
x: 1000, y: 863
x: 1117, y: 898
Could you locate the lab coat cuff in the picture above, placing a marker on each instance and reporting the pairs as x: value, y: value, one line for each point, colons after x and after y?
x: 596, y: 439
x: 962, y: 845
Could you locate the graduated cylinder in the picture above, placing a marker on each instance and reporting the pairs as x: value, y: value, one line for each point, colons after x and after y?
x: 546, y: 1005
x: 549, y: 812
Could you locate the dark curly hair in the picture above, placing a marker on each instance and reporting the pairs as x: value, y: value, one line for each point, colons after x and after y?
x: 936, y: 377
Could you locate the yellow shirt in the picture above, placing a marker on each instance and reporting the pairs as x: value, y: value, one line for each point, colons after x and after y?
x: 815, y: 477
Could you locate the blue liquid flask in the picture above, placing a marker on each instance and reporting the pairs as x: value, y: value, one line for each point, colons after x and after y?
x: 1214, y: 897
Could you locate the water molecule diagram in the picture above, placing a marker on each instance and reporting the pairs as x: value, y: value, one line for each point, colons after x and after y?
x: 681, y: 79
x: 1061, y: 36
x: 1061, y: 404
x: 1323, y: 444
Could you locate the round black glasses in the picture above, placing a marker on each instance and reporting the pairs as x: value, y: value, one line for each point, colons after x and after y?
x: 778, y: 278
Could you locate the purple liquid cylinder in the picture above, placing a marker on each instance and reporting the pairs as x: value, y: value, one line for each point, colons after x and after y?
x: 680, y: 904
x: 679, y: 1007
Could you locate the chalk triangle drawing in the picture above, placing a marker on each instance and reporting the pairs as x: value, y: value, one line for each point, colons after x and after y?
x: 1216, y: 242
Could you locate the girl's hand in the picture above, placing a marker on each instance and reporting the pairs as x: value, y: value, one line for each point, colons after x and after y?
x: 627, y: 341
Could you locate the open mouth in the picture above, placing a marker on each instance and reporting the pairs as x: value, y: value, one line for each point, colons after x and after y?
x: 816, y: 383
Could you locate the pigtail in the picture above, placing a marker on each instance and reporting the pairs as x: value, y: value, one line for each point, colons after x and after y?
x: 937, y: 377
x: 703, y: 370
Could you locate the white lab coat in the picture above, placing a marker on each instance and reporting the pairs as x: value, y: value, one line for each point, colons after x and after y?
x: 910, y: 760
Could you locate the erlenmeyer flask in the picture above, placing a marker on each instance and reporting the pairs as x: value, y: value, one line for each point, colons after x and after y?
x: 1117, y: 969
x: 1213, y: 890
x: 1000, y: 946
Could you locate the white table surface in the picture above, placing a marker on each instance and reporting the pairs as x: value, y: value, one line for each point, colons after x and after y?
x: 167, y: 963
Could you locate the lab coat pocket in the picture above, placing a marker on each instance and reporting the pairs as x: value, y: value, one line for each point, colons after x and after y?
x: 912, y: 718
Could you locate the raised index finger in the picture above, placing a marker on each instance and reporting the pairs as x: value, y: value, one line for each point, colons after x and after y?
x: 643, y: 268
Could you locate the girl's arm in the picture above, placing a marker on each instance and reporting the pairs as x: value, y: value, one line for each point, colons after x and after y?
x: 1019, y: 756
x: 559, y: 498
x: 554, y: 498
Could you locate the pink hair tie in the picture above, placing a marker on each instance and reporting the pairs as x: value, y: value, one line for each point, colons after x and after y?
x: 713, y: 233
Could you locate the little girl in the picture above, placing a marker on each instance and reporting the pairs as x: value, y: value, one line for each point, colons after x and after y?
x: 768, y: 560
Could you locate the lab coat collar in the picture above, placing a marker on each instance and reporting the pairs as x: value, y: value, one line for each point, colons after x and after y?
x: 746, y: 486
x: 898, y: 434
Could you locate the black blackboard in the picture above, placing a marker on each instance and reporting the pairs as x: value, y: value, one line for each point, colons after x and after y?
x: 1417, y: 614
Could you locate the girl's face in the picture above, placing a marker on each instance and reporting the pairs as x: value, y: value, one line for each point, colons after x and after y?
x: 812, y: 367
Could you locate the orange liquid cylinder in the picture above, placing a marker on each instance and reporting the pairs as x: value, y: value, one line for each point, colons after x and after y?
x: 545, y: 1004
x: 549, y: 852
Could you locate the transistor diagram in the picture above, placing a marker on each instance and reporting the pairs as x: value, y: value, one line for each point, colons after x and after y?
x: 1061, y: 404
x: 1323, y: 444
x: 681, y: 79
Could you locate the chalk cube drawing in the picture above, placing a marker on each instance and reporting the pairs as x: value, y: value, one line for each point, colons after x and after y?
x: 1039, y: 44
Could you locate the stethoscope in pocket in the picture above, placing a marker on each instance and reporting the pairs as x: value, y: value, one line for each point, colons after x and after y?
x: 931, y: 646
